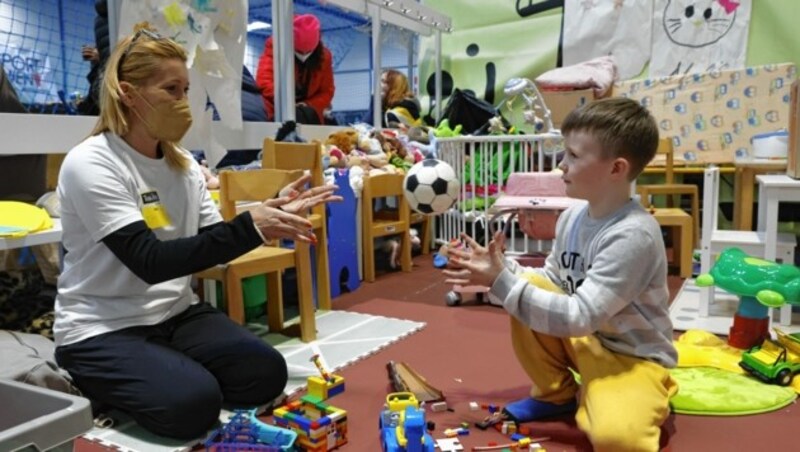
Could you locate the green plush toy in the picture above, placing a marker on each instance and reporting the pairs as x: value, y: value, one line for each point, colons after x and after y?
x: 445, y: 131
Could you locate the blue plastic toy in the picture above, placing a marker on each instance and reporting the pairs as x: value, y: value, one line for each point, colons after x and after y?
x: 402, y: 425
x: 245, y: 432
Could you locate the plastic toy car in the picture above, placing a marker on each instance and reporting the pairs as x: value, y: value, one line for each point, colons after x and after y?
x: 774, y: 362
x: 402, y: 425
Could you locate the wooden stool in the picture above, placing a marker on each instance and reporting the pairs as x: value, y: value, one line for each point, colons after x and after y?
x: 681, y: 226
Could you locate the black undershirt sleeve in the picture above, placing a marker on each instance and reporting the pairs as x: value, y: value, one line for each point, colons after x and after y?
x: 156, y: 261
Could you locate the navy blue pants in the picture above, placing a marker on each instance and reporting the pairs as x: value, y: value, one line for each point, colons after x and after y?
x: 172, y: 378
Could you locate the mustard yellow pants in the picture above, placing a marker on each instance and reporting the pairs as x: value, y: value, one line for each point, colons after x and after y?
x: 623, y: 400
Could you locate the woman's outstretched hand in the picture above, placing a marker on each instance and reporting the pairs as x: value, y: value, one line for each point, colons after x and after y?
x: 275, y: 223
x: 296, y: 199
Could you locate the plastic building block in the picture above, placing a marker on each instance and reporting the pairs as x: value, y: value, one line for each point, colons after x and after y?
x: 320, y: 427
x: 438, y: 407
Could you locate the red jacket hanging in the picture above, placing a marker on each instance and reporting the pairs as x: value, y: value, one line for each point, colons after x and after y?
x: 319, y: 89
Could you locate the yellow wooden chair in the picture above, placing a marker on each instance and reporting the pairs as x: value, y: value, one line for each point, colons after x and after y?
x: 682, y: 226
x: 384, y: 222
x: 306, y: 156
x: 258, y: 185
x: 669, y: 188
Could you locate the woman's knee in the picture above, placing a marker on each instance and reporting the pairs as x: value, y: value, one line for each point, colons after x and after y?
x: 185, y: 411
x: 257, y: 380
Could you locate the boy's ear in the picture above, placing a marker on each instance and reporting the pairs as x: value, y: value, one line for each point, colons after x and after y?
x: 621, y: 167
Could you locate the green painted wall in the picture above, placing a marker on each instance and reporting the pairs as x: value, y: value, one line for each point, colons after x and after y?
x: 527, y: 46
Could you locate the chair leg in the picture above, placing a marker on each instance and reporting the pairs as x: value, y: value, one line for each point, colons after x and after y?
x: 201, y: 289
x: 233, y: 294
x: 405, y: 251
x: 308, y: 324
x: 644, y: 198
x: 786, y: 315
x: 685, y: 258
x: 323, y: 270
x: 425, y: 236
x: 369, y: 255
x: 696, y: 218
x: 274, y: 302
x: 706, y: 293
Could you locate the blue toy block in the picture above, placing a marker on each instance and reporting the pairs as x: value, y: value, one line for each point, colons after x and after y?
x: 335, y: 390
x: 343, y: 237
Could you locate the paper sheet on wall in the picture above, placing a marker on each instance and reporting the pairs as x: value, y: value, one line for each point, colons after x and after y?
x: 213, y: 33
x: 712, y: 117
x: 698, y: 36
x: 595, y: 28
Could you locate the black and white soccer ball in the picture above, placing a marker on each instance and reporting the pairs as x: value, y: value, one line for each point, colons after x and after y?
x: 431, y: 187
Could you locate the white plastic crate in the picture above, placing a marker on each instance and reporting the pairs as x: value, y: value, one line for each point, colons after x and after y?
x: 38, y: 419
x: 524, y: 153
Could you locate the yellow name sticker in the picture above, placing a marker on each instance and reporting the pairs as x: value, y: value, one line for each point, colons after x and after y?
x: 155, y: 215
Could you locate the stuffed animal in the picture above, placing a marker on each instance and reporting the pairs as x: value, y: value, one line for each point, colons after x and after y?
x: 346, y: 140
x: 419, y: 134
x: 369, y: 144
x: 444, y: 130
x: 333, y: 157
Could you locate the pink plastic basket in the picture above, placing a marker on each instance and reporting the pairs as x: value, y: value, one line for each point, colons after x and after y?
x: 538, y: 198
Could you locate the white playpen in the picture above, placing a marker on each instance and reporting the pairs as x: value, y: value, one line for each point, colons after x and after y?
x: 483, y: 164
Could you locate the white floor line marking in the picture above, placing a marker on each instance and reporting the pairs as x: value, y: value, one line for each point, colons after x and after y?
x: 338, y: 333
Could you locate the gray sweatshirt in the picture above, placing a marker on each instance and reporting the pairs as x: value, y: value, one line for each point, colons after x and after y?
x: 614, y: 273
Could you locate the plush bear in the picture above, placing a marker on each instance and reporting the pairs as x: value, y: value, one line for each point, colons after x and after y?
x: 346, y: 140
x: 395, y: 151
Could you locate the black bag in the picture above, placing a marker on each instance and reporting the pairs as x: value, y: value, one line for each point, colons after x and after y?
x: 469, y: 111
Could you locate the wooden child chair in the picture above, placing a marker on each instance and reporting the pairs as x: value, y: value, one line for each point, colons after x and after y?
x: 669, y: 188
x: 306, y: 156
x: 258, y: 185
x: 384, y: 222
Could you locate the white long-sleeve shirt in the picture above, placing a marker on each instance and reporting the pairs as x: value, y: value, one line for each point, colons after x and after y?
x: 614, y: 274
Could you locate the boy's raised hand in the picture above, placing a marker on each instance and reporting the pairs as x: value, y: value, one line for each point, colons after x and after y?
x: 475, y: 264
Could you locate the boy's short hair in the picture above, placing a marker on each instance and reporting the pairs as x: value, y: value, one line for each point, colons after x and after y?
x: 623, y: 127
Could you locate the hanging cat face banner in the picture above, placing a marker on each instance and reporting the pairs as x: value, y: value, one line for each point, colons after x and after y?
x: 696, y: 36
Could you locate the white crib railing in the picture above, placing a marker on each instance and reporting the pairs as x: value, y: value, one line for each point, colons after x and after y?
x: 485, y: 178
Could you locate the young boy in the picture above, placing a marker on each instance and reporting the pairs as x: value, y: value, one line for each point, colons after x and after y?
x: 611, y: 323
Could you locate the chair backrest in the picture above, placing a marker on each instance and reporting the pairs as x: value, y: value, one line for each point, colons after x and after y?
x: 665, y: 148
x: 384, y: 186
x: 252, y: 185
x: 295, y: 156
x: 710, y: 203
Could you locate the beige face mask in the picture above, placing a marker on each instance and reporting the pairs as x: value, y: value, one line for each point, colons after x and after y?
x: 167, y: 121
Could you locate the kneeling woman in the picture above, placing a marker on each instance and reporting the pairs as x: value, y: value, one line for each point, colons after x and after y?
x: 138, y: 222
